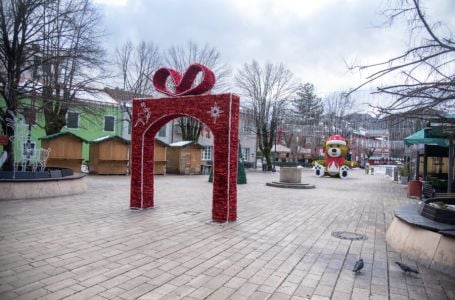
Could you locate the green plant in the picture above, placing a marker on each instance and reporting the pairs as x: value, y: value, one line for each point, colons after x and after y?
x: 404, y: 170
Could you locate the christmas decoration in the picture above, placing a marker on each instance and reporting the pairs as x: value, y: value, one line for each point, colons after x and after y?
x: 335, y: 149
x: 241, y: 173
x: 183, y: 84
x: 149, y: 115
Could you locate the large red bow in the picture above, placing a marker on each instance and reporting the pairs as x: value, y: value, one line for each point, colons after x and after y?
x: 184, y: 84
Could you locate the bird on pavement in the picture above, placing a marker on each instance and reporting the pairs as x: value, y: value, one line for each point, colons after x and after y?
x: 406, y: 269
x: 358, y: 266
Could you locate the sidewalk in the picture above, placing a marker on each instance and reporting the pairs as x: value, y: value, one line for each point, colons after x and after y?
x: 91, y: 246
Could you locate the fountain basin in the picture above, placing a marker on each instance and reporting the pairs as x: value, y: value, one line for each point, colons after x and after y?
x: 53, y: 182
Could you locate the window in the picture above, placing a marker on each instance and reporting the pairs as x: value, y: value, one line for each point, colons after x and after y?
x: 247, y: 127
x: 109, y: 123
x: 72, y: 120
x: 206, y: 153
x: 162, y: 132
x: 246, y: 153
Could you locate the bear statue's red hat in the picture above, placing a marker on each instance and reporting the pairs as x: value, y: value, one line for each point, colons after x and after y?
x: 336, y: 140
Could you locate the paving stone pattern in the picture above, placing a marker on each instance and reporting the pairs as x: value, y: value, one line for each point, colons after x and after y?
x: 91, y: 246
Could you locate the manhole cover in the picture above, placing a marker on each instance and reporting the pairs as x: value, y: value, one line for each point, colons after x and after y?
x: 191, y: 212
x: 344, y: 235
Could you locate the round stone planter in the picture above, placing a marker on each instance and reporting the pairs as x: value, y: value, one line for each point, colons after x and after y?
x: 53, y: 182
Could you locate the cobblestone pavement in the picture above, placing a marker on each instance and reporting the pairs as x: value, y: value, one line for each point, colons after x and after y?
x: 91, y: 246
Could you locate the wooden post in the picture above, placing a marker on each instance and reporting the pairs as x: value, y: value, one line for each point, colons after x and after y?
x: 416, y: 177
x: 425, y: 162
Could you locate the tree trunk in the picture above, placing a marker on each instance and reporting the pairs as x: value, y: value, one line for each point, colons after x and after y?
x: 55, y: 117
x: 9, y: 164
x: 9, y: 147
x: 267, y: 153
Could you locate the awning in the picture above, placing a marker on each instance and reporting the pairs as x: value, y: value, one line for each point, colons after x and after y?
x: 422, y: 137
x: 281, y: 149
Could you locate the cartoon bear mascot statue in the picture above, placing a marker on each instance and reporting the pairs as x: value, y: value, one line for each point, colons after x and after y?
x: 335, y: 149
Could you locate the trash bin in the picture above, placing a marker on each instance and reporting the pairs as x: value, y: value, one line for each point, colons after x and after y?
x: 372, y: 171
x: 415, y: 188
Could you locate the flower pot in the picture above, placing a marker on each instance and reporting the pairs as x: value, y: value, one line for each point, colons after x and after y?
x: 415, y: 188
x: 3, y: 140
x: 404, y: 179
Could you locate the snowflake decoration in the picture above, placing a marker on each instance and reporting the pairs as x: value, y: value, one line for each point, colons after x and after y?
x: 215, y: 112
x: 144, y: 116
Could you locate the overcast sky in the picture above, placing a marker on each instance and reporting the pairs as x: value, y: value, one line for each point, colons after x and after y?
x: 315, y: 39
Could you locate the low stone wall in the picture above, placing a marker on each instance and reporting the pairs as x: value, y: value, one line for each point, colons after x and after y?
x: 15, y: 190
x: 290, y: 175
x: 429, y: 248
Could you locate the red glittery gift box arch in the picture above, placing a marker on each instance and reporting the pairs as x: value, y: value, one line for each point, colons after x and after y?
x: 220, y: 113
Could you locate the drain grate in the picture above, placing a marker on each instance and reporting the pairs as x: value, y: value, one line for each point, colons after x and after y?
x: 191, y: 212
x: 344, y: 235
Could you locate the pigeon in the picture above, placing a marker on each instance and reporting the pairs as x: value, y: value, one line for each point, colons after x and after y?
x: 358, y: 266
x: 406, y: 268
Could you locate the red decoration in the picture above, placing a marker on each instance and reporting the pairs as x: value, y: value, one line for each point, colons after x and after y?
x: 335, y: 149
x: 184, y: 84
x: 218, y: 112
x: 3, y: 140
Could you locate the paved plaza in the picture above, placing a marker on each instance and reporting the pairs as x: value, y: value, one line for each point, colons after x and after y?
x: 91, y: 246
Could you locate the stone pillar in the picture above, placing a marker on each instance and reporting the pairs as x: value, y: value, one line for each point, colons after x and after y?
x: 290, y: 175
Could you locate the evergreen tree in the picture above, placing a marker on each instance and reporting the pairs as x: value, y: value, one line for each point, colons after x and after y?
x: 308, y: 106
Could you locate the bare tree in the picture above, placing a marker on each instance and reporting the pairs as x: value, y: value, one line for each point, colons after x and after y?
x: 426, y: 69
x: 21, y: 22
x: 70, y: 60
x: 338, y: 106
x: 369, y: 152
x: 179, y: 58
x: 268, y: 89
x: 137, y: 64
x: 49, y: 48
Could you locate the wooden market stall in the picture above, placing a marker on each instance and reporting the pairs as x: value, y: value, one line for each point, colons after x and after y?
x: 184, y: 158
x: 66, y: 150
x: 159, y: 167
x: 109, y: 155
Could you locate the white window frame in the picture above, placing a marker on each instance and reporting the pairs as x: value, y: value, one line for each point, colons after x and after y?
x: 246, y: 154
x: 206, y: 153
